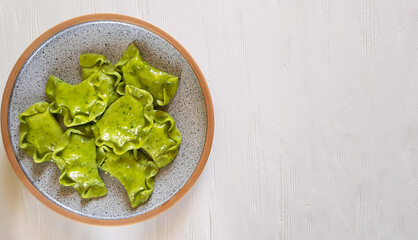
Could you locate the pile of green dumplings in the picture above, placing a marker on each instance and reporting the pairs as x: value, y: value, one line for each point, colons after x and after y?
x: 111, y: 124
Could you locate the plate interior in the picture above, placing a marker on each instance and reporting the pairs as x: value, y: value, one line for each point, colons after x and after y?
x: 59, y: 56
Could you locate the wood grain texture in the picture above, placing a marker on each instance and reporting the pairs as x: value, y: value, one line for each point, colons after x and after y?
x: 316, y: 129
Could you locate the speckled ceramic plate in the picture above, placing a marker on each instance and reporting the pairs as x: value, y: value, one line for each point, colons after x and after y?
x: 56, y: 52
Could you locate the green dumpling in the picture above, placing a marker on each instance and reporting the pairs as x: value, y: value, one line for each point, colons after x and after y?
x: 75, y: 156
x: 137, y: 72
x: 39, y: 132
x: 133, y: 169
x: 98, y: 64
x: 163, y: 140
x: 126, y: 123
x: 78, y: 104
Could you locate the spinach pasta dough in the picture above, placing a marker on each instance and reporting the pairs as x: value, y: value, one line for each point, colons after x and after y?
x: 163, y: 140
x: 39, y: 132
x: 162, y: 86
x: 78, y: 104
x: 75, y: 156
x: 111, y: 125
x: 126, y: 123
x: 133, y: 169
x: 98, y: 64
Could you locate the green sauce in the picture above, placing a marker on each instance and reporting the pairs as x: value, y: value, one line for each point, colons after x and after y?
x: 163, y: 140
x: 39, y: 132
x: 136, y: 72
x: 126, y: 123
x: 134, y: 171
x: 111, y: 123
x: 76, y: 158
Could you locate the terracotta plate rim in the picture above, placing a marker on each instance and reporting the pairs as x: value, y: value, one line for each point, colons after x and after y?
x: 125, y: 19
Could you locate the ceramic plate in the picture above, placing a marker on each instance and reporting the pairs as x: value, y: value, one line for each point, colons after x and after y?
x: 56, y: 52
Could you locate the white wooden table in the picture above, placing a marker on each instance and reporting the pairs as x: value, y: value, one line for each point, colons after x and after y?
x: 316, y: 109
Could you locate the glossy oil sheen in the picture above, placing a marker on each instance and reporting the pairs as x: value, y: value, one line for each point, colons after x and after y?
x: 163, y: 140
x: 39, y: 132
x: 75, y: 155
x: 78, y: 104
x: 137, y: 72
x: 92, y: 63
x: 136, y: 173
x: 126, y: 123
